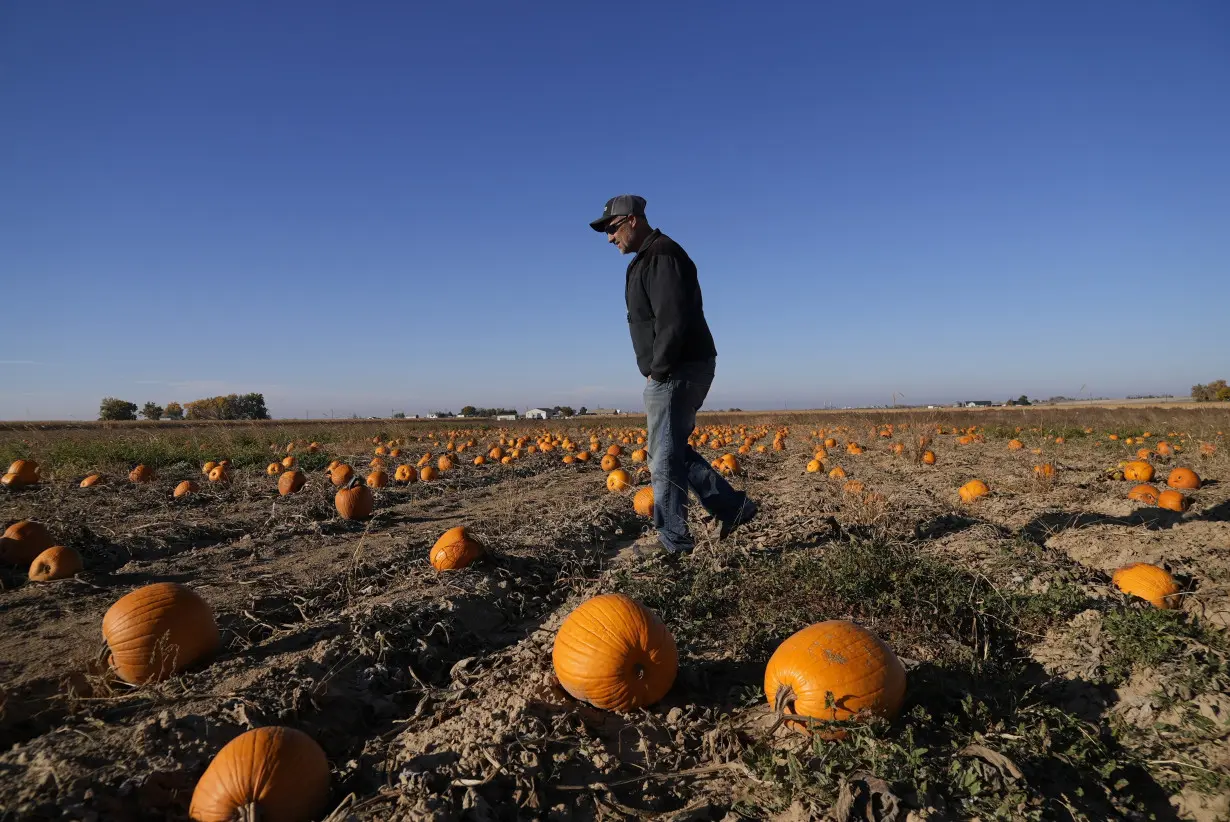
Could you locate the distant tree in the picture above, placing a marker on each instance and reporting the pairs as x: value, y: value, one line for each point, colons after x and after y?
x: 469, y: 411
x: 1216, y: 391
x: 151, y: 411
x: 250, y: 407
x: 583, y: 411
x: 229, y: 407
x: 174, y: 411
x: 113, y: 409
x: 567, y: 411
x: 399, y: 415
x: 1022, y: 400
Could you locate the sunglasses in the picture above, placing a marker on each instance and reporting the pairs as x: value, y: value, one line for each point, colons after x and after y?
x: 614, y: 225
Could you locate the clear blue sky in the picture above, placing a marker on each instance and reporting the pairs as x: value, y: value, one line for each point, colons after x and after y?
x: 376, y: 206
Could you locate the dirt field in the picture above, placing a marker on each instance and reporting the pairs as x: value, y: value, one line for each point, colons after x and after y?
x: 1035, y: 690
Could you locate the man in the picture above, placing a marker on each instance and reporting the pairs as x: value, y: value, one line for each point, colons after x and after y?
x: 675, y: 352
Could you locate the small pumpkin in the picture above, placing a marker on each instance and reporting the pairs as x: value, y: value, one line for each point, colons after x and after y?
x: 615, y: 654
x: 455, y: 549
x: 405, y: 473
x: 609, y: 462
x: 1183, y: 478
x: 838, y: 473
x: 273, y: 773
x: 185, y: 488
x: 834, y: 670
x: 928, y: 457
x: 221, y: 473
x: 1149, y: 582
x: 1015, y: 445
x: 642, y: 501
x: 640, y: 455
x: 354, y: 501
x: 1173, y: 500
x: 1138, y: 471
x: 291, y: 482
x: 57, y: 562
x: 207, y: 467
x: 91, y: 480
x: 289, y: 462
x: 428, y: 473
x: 142, y: 474
x: 378, y: 479
x: 273, y: 469
x: 972, y: 490
x: 445, y: 463
x: 615, y: 451
x: 156, y: 631
x: 814, y: 466
x: 852, y: 488
x: 1045, y: 470
x: 23, y: 541
x: 1144, y: 493
x: 618, y: 480
x: 730, y: 465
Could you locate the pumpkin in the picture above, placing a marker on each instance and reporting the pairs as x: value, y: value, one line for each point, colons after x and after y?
x: 341, y: 474
x: 615, y: 654
x: 1015, y: 445
x: 378, y: 479
x: 291, y: 481
x: 23, y: 541
x: 838, y: 473
x: 1164, y: 448
x: 427, y: 473
x: 609, y: 462
x: 618, y: 480
x: 455, y: 549
x: 615, y: 451
x: 1143, y: 453
x: 640, y: 455
x: 159, y: 630
x: 730, y: 465
x: 852, y: 487
x: 1059, y: 440
x: 142, y: 473
x: 185, y: 488
x: 354, y: 500
x: 313, y: 447
x: 91, y: 480
x: 814, y: 466
x: 1046, y: 470
x: 220, y: 474
x: 569, y: 459
x: 928, y: 457
x: 1148, y: 582
x: 273, y: 469
x: 288, y: 462
x: 1183, y: 478
x: 830, y: 443
x: 642, y: 501
x: 57, y: 562
x: 405, y: 473
x: 972, y: 490
x: 834, y: 670
x: 1144, y: 493
x: 22, y: 472
x: 445, y: 463
x: 1172, y: 500
x: 480, y: 460
x: 207, y: 467
x: 1138, y: 471
x: 272, y: 773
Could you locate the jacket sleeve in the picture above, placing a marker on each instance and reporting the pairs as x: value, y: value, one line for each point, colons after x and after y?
x: 668, y: 297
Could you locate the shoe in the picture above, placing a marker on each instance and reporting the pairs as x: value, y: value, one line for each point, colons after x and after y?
x: 648, y: 549
x: 746, y: 513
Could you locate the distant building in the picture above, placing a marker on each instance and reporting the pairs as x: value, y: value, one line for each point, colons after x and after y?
x: 505, y: 416
x: 540, y: 413
x: 979, y: 404
x: 603, y: 411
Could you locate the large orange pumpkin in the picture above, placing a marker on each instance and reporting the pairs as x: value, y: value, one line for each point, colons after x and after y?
x: 354, y: 500
x: 142, y: 473
x: 156, y: 631
x: 642, y: 501
x: 378, y: 479
x: 972, y: 490
x: 273, y: 773
x: 341, y: 474
x: 835, y: 670
x: 1183, y: 478
x: 291, y: 481
x: 427, y: 473
x: 405, y: 473
x: 1138, y: 471
x: 185, y: 488
x: 1144, y: 493
x: 618, y: 480
x: 1148, y: 582
x: 57, y: 562
x: 455, y: 549
x: 609, y: 462
x: 615, y: 654
x: 1172, y: 500
x: 23, y: 541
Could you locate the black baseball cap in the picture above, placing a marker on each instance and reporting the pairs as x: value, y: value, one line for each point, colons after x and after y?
x: 621, y: 206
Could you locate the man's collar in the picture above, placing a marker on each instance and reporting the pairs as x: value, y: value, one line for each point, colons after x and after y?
x: 653, y: 235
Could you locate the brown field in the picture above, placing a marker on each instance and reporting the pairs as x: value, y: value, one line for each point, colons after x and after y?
x: 1035, y: 690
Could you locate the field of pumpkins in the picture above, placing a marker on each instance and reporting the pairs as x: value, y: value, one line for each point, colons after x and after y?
x: 1016, y: 614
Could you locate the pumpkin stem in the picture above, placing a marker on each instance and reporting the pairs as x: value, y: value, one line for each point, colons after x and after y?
x: 640, y: 670
x: 784, y: 701
x: 247, y: 813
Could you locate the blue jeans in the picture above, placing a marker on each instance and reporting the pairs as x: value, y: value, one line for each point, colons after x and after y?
x: 671, y: 408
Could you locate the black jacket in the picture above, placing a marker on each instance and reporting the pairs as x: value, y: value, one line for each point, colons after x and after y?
x: 665, y: 314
